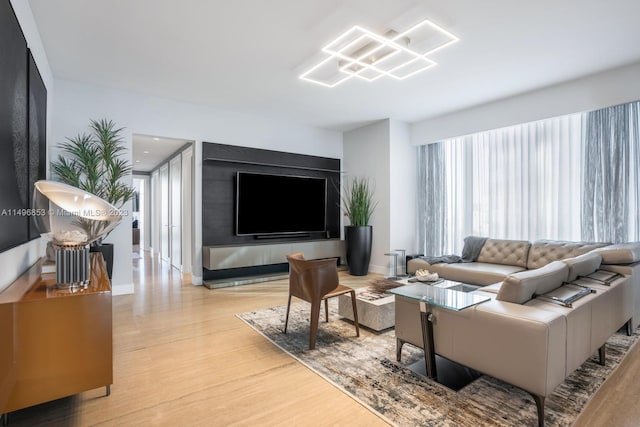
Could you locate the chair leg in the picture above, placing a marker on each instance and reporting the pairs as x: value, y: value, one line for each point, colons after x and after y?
x: 286, y: 319
x: 326, y: 310
x: 315, y: 317
x: 355, y: 312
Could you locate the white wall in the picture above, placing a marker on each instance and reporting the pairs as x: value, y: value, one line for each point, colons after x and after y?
x: 596, y: 91
x: 390, y: 162
x: 366, y: 154
x: 15, y: 261
x: 402, y: 202
x: 76, y: 103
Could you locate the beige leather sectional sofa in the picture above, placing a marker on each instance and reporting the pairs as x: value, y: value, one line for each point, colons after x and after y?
x: 518, y: 337
x: 500, y: 258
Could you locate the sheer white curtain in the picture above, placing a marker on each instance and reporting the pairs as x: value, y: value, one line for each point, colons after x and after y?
x: 520, y: 182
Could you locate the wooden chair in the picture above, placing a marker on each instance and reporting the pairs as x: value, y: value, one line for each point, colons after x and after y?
x: 314, y: 281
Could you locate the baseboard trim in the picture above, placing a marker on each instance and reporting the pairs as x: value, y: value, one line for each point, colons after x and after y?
x: 125, y: 289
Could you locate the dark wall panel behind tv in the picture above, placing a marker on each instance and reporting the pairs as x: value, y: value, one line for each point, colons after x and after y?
x: 14, y: 177
x: 37, y: 134
x: 220, y: 165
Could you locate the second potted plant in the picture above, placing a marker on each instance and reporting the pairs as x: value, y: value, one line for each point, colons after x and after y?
x: 94, y: 163
x: 358, y: 205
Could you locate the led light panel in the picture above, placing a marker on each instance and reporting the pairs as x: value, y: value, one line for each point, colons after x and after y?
x: 364, y: 54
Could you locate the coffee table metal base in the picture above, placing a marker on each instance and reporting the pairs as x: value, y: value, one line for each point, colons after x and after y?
x: 443, y: 371
x: 450, y: 374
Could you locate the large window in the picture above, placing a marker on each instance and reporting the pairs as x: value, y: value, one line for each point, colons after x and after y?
x: 561, y: 178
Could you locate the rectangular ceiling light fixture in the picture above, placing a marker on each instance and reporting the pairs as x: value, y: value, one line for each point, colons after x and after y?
x: 361, y: 53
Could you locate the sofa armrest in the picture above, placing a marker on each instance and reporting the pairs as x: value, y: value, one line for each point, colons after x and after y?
x: 520, y: 345
x: 632, y: 270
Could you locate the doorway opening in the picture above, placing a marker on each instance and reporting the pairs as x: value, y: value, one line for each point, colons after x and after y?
x: 162, y: 207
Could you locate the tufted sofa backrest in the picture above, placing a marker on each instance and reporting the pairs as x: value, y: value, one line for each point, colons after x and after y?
x: 505, y: 252
x: 543, y: 252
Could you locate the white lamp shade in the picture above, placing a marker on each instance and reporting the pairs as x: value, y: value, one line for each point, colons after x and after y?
x: 70, y: 216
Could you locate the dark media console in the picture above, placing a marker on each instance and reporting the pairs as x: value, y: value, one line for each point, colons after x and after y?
x: 258, y: 247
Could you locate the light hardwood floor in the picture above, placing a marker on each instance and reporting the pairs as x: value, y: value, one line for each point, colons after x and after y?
x: 182, y: 357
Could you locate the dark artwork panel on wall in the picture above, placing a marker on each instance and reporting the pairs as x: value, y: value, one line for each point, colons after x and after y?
x: 14, y: 177
x: 37, y: 135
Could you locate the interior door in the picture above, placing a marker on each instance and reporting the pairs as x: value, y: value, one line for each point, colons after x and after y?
x: 187, y: 201
x: 175, y: 214
x: 154, y: 212
x: 164, y: 212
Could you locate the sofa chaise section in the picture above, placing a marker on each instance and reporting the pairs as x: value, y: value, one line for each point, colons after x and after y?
x: 525, y: 340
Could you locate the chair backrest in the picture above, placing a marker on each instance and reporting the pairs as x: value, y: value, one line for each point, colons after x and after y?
x: 311, y: 280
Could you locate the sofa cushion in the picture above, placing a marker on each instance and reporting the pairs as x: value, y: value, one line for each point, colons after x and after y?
x: 582, y: 265
x: 493, y: 289
x: 505, y: 252
x: 521, y: 287
x: 543, y: 252
x: 623, y: 253
x: 474, y: 273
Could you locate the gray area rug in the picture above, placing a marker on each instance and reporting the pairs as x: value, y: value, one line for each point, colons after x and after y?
x: 365, y: 368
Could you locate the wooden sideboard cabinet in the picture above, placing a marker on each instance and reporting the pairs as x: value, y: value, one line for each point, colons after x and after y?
x: 55, y: 342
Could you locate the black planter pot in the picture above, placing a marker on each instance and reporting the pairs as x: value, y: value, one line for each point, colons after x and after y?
x: 358, y: 239
x: 107, y: 254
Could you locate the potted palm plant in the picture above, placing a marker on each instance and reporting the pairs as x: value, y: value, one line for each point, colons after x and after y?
x: 93, y: 162
x: 359, y: 205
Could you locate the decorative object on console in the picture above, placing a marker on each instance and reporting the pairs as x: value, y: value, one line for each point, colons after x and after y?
x: 359, y: 205
x: 426, y: 276
x: 72, y: 219
x: 93, y: 163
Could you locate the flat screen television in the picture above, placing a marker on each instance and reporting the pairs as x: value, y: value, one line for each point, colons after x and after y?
x: 279, y: 204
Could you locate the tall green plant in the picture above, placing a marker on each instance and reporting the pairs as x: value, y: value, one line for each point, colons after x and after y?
x: 93, y: 162
x: 358, y: 201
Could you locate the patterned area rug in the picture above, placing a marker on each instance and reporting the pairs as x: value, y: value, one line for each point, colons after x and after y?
x: 365, y: 368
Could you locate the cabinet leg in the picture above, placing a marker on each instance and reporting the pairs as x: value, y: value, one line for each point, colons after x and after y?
x: 5, y: 419
x: 108, y: 390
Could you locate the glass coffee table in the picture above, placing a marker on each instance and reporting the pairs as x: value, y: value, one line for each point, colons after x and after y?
x: 444, y: 294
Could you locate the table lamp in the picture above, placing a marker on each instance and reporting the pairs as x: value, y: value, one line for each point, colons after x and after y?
x: 71, y: 219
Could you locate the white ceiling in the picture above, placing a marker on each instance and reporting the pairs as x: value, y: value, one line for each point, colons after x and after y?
x: 246, y: 55
x: 150, y: 151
